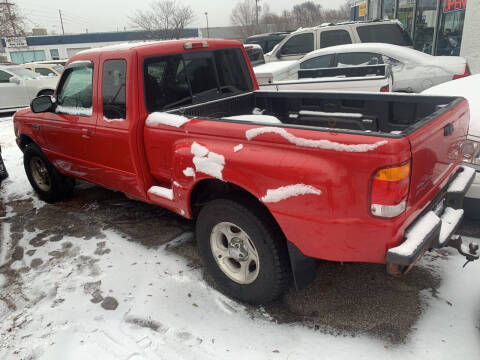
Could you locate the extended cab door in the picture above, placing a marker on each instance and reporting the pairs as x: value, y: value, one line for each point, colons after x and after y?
x: 69, y: 132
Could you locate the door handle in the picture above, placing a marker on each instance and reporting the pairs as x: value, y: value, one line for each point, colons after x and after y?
x: 35, y: 127
x: 86, y: 133
x: 448, y: 130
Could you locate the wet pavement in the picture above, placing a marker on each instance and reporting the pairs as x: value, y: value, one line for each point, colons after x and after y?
x: 345, y: 299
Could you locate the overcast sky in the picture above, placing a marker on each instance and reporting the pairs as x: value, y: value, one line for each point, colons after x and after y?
x: 108, y: 15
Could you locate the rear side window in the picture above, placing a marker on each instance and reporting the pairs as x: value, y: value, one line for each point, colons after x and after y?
x: 319, y: 62
x: 359, y: 59
x: 334, y: 37
x: 298, y: 44
x: 74, y: 96
x: 181, y: 80
x: 114, y: 89
x: 384, y: 33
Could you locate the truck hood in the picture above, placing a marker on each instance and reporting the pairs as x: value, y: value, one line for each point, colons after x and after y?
x: 466, y: 87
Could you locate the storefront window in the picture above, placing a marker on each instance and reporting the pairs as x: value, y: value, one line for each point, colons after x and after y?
x: 405, y: 14
x: 374, y: 9
x: 425, y: 25
x: 450, y: 29
x: 388, y: 10
x: 20, y: 57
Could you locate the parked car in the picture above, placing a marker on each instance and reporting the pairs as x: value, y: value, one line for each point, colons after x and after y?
x: 468, y: 88
x: 181, y: 124
x: 306, y: 40
x: 255, y: 54
x: 18, y: 86
x: 3, y: 169
x: 413, y: 71
x: 286, y: 75
x: 267, y: 41
x: 44, y: 69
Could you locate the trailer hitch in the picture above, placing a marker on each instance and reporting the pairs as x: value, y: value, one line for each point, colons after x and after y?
x: 470, y: 252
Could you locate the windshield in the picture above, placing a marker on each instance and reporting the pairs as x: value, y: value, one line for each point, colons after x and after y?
x: 24, y: 73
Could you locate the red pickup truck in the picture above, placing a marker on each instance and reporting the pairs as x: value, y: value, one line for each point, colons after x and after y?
x: 275, y: 180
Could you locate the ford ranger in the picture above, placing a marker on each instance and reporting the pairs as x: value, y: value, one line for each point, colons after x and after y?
x: 274, y: 180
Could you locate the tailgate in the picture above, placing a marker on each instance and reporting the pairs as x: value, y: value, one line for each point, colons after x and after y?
x: 437, y: 151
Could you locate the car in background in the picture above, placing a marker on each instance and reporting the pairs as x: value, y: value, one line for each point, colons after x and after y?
x: 3, y: 169
x: 267, y: 41
x: 255, y: 54
x: 44, y: 69
x: 468, y: 88
x: 18, y: 86
x: 413, y: 71
x: 306, y: 40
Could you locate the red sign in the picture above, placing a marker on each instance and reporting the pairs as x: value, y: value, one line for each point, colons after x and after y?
x: 454, y: 5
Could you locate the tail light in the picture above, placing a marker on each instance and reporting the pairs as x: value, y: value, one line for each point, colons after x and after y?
x: 385, y: 88
x: 465, y: 74
x: 390, y: 191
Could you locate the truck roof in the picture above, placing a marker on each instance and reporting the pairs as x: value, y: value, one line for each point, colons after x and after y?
x: 157, y: 46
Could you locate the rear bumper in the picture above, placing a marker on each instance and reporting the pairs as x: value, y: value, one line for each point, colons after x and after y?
x: 474, y: 191
x: 434, y: 228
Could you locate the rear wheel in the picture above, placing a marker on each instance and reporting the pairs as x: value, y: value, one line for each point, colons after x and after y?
x: 48, y: 183
x: 242, y: 250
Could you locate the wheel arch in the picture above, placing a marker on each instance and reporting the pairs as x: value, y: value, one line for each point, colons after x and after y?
x: 24, y: 141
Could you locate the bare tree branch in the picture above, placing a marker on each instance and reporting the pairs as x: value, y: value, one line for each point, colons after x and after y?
x: 12, y: 22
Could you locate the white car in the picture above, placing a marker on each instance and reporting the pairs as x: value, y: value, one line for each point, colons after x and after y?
x: 19, y: 86
x: 413, y: 71
x: 468, y: 88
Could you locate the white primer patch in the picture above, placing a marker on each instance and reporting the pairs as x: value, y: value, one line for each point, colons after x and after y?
x: 207, y: 162
x: 164, y: 118
x: 285, y: 192
x: 162, y: 192
x: 319, y: 144
x: 238, y: 147
x: 189, y: 172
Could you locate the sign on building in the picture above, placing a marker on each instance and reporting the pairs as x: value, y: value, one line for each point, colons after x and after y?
x: 454, y: 5
x: 16, y: 42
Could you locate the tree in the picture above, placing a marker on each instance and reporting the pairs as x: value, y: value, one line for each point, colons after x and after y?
x: 165, y: 19
x: 244, y: 16
x: 307, y: 14
x: 12, y: 22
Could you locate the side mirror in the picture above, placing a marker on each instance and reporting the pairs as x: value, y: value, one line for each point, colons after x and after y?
x: 14, y: 80
x: 43, y: 103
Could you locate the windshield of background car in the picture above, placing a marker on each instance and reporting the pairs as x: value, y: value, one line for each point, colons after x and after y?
x: 24, y: 73
x: 384, y: 33
x: 185, y: 79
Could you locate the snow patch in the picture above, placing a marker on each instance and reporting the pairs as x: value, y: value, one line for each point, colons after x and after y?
x: 164, y: 118
x: 71, y: 110
x: 462, y: 180
x: 207, y: 162
x: 189, y: 172
x: 111, y: 120
x: 238, y: 147
x: 450, y: 219
x: 162, y: 192
x: 319, y: 144
x: 176, y: 184
x: 257, y: 111
x: 416, y: 235
x: 285, y: 192
x: 268, y: 119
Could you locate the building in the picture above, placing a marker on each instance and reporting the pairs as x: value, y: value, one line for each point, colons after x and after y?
x: 56, y: 47
x: 437, y: 27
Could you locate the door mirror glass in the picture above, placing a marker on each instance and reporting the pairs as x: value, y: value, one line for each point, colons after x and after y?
x: 14, y: 80
x: 42, y: 104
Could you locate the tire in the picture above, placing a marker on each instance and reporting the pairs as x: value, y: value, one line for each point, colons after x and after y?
x: 46, y: 92
x: 47, y: 182
x: 252, y: 255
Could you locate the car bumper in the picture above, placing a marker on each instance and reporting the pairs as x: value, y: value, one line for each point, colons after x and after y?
x: 435, y: 227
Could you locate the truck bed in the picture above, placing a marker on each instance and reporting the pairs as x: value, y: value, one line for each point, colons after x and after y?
x: 389, y: 115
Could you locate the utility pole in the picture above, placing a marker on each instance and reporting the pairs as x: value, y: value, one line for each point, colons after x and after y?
x: 61, y: 21
x: 11, y: 17
x: 208, y: 30
x: 256, y: 11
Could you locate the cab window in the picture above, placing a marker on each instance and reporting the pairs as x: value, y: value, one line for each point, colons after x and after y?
x: 334, y: 37
x: 74, y: 96
x: 114, y: 89
x: 298, y: 44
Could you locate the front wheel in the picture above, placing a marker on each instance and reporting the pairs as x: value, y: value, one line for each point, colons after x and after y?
x: 242, y: 250
x: 48, y: 183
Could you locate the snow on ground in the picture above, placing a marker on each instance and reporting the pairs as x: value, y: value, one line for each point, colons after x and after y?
x: 163, y: 309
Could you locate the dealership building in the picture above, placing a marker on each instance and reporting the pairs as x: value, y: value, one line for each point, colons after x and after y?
x: 437, y: 27
x: 58, y: 47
